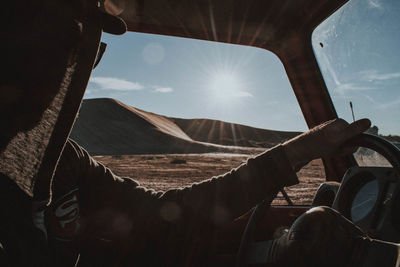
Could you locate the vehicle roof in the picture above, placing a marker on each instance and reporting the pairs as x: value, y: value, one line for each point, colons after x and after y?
x: 260, y: 23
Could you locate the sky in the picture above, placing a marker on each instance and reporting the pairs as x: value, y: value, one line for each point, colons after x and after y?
x: 189, y: 78
x: 360, y: 60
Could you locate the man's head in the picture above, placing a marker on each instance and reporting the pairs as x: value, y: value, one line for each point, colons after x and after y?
x: 48, y: 50
x: 38, y: 40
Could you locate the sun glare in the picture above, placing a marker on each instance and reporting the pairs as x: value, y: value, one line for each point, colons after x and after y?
x: 224, y: 87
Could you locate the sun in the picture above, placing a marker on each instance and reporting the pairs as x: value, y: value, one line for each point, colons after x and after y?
x: 224, y: 86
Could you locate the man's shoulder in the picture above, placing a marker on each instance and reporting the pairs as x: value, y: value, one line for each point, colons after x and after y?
x: 75, y: 152
x: 73, y: 157
x: 72, y: 146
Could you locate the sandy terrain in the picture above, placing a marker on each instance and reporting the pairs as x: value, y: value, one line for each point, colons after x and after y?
x: 165, y: 171
x: 231, y: 134
x: 109, y: 127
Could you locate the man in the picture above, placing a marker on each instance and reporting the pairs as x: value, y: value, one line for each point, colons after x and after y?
x: 88, y: 204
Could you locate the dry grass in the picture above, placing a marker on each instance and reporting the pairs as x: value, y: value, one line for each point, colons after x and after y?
x: 160, y: 173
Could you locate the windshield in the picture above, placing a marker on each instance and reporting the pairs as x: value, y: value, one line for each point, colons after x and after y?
x: 188, y: 78
x: 357, y: 50
x: 190, y: 91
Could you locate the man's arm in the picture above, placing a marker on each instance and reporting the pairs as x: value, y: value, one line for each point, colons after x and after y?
x: 214, y: 201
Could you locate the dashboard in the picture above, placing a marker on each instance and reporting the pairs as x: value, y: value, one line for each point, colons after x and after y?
x: 370, y: 198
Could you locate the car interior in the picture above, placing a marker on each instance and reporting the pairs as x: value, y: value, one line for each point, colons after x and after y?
x: 368, y: 196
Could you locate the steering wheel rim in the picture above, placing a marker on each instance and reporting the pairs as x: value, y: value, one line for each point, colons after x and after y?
x: 376, y: 143
x: 388, y: 150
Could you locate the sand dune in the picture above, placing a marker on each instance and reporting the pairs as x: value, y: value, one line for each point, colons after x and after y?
x: 162, y: 123
x: 231, y: 134
x: 108, y: 127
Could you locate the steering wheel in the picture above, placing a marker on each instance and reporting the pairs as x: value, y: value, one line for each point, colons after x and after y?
x: 388, y: 150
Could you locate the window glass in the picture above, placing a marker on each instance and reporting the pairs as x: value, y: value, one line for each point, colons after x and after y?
x: 167, y: 97
x: 189, y: 78
x: 357, y: 50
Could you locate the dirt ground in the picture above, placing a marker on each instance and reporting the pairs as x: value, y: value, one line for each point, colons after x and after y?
x: 165, y: 171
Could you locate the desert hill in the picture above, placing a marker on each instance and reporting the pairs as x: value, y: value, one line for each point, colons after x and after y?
x: 108, y: 127
x: 231, y: 134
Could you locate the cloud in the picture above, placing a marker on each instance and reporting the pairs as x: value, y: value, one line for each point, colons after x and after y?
x: 241, y: 94
x: 375, y: 4
x: 365, y: 76
x: 394, y: 103
x: 340, y: 87
x: 164, y: 89
x: 373, y: 75
x: 110, y: 83
x: 351, y: 87
x: 370, y: 99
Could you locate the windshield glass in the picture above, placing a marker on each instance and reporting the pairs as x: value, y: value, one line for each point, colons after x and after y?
x: 188, y: 78
x: 167, y: 94
x: 357, y: 50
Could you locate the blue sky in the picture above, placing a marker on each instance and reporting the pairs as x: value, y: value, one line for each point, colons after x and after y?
x: 360, y: 60
x: 197, y: 79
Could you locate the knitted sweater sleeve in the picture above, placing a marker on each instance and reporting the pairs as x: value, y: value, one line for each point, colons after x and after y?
x: 106, y: 197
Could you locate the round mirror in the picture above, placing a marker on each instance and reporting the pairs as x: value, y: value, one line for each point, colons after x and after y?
x: 364, y: 201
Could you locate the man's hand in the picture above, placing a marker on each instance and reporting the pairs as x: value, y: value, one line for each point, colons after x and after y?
x: 323, y: 237
x: 323, y: 140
